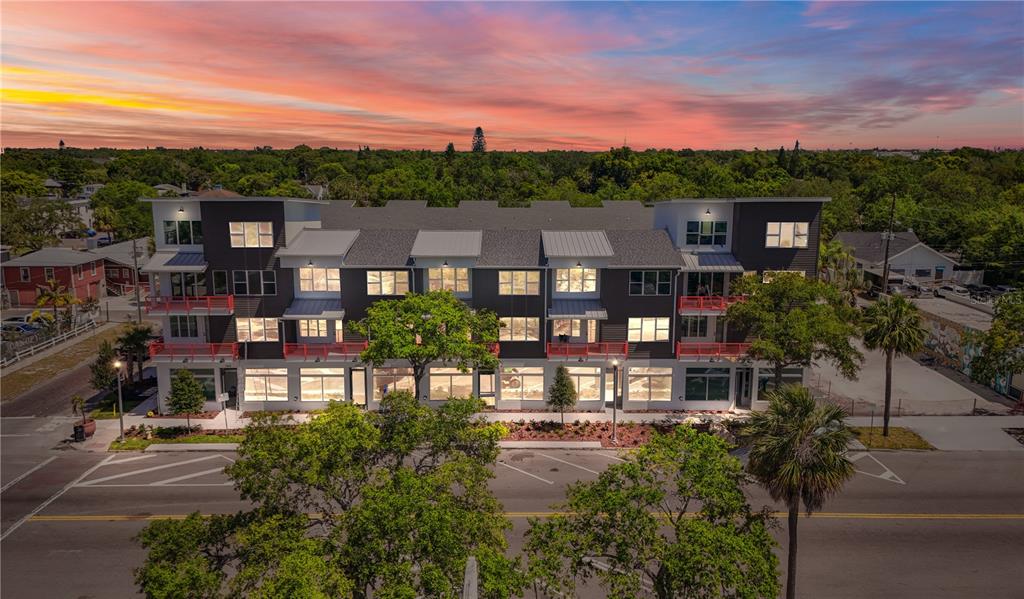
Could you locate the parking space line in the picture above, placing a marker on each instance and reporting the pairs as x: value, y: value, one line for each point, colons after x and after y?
x: 132, y: 459
x: 568, y: 463
x: 144, y: 470
x: 127, y: 485
x: 530, y: 474
x: 186, y: 477
x: 609, y: 456
x: 30, y: 471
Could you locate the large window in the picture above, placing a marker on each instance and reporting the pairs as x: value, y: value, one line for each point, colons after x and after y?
x: 705, y: 283
x: 706, y: 232
x: 192, y: 284
x: 450, y: 382
x: 694, y: 326
x: 319, y: 279
x: 220, y: 282
x: 387, y: 282
x: 312, y: 328
x: 322, y: 384
x: 707, y: 384
x: 255, y: 282
x: 650, y: 282
x: 522, y: 384
x: 183, y: 232
x: 251, y: 235
x: 519, y: 328
x: 184, y: 326
x: 389, y: 380
x: 587, y: 381
x: 266, y: 384
x: 518, y: 282
x: 575, y: 280
x: 648, y: 329
x: 449, y: 278
x: 650, y: 384
x: 786, y: 235
x: 766, y: 379
x: 574, y: 327
x: 358, y: 376
x: 257, y: 329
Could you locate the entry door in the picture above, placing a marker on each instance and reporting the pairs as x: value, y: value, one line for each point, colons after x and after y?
x: 744, y: 386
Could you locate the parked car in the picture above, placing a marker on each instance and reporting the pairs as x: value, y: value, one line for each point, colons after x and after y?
x: 958, y: 290
x: 921, y: 290
x: 22, y: 328
x: 1001, y: 289
x: 903, y: 290
x: 17, y: 318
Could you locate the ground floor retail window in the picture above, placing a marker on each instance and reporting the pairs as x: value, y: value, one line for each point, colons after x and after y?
x: 266, y: 384
x: 446, y: 383
x: 358, y: 376
x: 485, y: 382
x: 587, y: 382
x: 206, y: 377
x: 388, y: 380
x: 766, y: 379
x: 650, y: 384
x: 322, y: 384
x: 707, y: 384
x: 522, y: 384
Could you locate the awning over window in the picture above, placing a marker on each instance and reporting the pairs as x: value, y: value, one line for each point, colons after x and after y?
x: 302, y: 309
x: 174, y: 261
x: 711, y: 262
x: 582, y: 309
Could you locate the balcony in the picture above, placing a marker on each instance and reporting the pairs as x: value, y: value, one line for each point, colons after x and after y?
x: 200, y: 304
x: 588, y: 350
x: 198, y: 352
x: 495, y: 349
x: 705, y: 351
x: 324, y: 351
x: 706, y: 303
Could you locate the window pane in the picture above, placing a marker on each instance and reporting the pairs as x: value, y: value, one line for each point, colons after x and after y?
x: 252, y: 237
x: 197, y: 231
x: 311, y: 388
x: 170, y: 232
x: 270, y: 326
x: 184, y: 232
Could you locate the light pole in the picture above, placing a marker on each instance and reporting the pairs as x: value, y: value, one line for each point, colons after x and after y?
x: 120, y: 402
x: 615, y: 400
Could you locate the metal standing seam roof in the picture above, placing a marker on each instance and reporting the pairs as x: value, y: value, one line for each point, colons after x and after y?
x: 54, y: 257
x: 576, y: 244
x: 176, y: 262
x: 320, y: 242
x: 588, y: 309
x: 446, y: 244
x: 301, y: 308
x: 711, y: 262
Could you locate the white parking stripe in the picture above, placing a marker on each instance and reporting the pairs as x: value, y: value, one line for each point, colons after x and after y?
x: 186, y: 477
x: 543, y: 480
x: 610, y: 456
x: 138, y: 457
x: 144, y: 470
x: 551, y: 457
x: 30, y: 471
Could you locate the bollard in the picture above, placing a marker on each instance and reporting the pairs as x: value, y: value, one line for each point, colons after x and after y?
x: 899, y: 407
x: 852, y: 402
x: 871, y: 429
x: 974, y: 410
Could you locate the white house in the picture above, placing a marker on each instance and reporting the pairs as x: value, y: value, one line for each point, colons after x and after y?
x: 909, y: 257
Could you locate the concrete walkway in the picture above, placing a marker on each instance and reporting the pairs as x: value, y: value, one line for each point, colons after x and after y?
x: 959, y: 433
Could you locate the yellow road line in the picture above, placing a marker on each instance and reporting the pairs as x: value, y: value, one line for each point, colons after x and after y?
x: 823, y: 515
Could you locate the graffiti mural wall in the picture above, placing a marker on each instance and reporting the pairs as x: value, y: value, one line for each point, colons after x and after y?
x: 949, y: 343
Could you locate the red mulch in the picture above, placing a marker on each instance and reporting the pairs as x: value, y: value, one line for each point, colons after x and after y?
x: 630, y: 434
x: 199, y: 416
x: 248, y: 414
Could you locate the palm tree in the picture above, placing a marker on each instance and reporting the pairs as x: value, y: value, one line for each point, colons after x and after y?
x: 892, y: 325
x: 798, y: 454
x: 55, y: 295
x: 839, y: 267
x: 133, y: 344
x: 105, y: 220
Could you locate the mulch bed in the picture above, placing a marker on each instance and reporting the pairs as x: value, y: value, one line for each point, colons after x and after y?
x: 630, y: 434
x: 248, y: 414
x: 1016, y: 433
x: 199, y: 416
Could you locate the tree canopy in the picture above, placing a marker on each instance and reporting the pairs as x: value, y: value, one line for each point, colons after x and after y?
x: 1002, y: 346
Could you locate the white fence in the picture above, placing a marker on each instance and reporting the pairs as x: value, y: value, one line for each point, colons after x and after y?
x: 21, y: 354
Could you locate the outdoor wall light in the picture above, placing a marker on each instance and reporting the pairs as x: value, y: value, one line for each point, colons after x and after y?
x: 579, y: 264
x: 310, y: 263
x: 708, y: 212
x: 445, y: 265
x: 181, y: 210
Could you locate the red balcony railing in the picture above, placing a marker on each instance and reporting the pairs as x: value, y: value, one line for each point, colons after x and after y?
x: 495, y: 349
x: 586, y: 350
x: 312, y: 351
x: 194, y: 351
x: 715, y: 303
x: 711, y: 350
x: 199, y: 303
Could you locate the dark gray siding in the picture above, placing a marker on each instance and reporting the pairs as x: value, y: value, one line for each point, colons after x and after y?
x: 485, y: 296
x: 621, y: 306
x: 748, y: 226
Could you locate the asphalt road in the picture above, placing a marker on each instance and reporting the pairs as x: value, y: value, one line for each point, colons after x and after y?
x: 928, y: 525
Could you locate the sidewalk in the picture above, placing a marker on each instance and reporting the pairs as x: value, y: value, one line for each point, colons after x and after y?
x: 958, y: 433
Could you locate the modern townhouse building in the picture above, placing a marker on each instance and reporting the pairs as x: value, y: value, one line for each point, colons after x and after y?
x: 256, y: 295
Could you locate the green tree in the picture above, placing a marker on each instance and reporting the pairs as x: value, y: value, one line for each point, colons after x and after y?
x: 838, y: 267
x: 562, y: 393
x: 186, y: 396
x: 133, y: 344
x: 639, y: 525
x: 30, y: 225
x: 134, y: 218
x: 102, y: 373
x: 479, y: 141
x: 55, y: 296
x: 449, y: 152
x: 795, y: 321
x: 353, y: 503
x: 21, y: 185
x: 892, y: 325
x: 426, y: 328
x: 288, y: 189
x: 1002, y: 346
x: 798, y: 454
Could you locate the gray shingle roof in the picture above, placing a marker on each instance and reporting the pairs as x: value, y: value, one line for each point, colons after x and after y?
x: 381, y: 247
x: 643, y: 248
x: 444, y: 244
x: 510, y: 248
x: 869, y: 247
x: 53, y: 257
x: 576, y: 244
x: 122, y: 252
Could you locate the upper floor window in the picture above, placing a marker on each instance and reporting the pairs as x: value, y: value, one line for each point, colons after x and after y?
x: 47, y: 273
x: 706, y: 232
x: 786, y: 235
x: 220, y: 282
x: 183, y: 232
x: 576, y: 280
x: 251, y: 235
x: 255, y: 282
x: 648, y: 329
x: 26, y: 274
x: 92, y: 268
x: 519, y: 328
x: 319, y: 279
x: 80, y: 272
x: 518, y: 282
x: 184, y: 326
x: 312, y: 328
x: 449, y: 278
x: 387, y: 282
x: 650, y: 282
x: 257, y: 329
x: 694, y: 326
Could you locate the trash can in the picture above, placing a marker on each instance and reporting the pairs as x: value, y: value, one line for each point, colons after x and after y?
x: 79, y: 433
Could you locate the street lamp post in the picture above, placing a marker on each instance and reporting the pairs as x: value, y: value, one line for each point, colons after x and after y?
x: 120, y: 402
x: 615, y: 401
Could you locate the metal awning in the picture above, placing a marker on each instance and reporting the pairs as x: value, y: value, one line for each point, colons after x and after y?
x: 711, y: 262
x: 584, y: 309
x: 301, y: 309
x: 176, y: 262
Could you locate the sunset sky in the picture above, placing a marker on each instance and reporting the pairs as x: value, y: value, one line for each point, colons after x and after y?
x: 534, y: 76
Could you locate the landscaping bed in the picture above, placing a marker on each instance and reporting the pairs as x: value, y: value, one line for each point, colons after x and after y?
x: 196, y: 416
x: 106, y: 409
x: 1016, y: 433
x: 629, y: 434
x: 140, y: 437
x: 899, y: 438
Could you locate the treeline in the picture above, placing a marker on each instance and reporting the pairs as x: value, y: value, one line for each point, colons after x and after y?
x: 967, y: 200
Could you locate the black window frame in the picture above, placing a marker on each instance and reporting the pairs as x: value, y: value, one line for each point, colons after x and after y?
x: 174, y: 234
x: 714, y: 233
x: 263, y: 279
x: 662, y: 282
x: 686, y: 326
x: 220, y: 287
x: 191, y: 325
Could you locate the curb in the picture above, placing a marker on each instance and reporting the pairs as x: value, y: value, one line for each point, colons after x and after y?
x: 550, y: 445
x: 165, y: 447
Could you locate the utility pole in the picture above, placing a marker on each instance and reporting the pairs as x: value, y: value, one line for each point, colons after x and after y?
x: 888, y: 239
x: 135, y: 261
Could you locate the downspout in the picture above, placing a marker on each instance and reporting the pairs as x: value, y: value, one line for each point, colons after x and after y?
x: 675, y: 311
x: 544, y: 316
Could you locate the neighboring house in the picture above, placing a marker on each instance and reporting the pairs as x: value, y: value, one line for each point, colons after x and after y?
x: 909, y: 258
x: 89, y: 190
x: 254, y: 295
x: 54, y: 188
x: 81, y: 272
x: 166, y: 189
x: 119, y: 265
